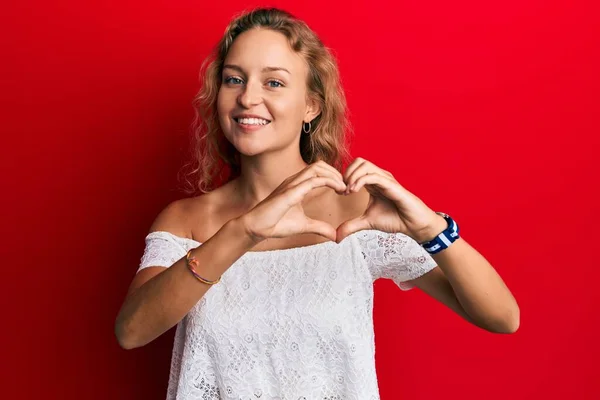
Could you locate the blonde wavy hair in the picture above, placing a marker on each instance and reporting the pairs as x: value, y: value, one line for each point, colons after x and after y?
x: 215, y: 159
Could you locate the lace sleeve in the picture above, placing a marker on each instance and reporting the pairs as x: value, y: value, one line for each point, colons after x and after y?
x: 163, y: 249
x: 395, y: 256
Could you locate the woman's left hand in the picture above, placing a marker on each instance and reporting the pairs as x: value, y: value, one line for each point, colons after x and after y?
x: 391, y: 207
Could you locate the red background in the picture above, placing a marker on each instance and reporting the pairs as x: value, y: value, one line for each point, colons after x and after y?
x: 486, y: 111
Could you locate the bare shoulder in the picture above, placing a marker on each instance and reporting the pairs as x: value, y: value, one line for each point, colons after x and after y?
x: 174, y: 217
x: 198, y: 217
x: 206, y: 214
x: 183, y: 215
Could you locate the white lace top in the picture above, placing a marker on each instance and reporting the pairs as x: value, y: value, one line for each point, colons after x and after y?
x: 287, y: 324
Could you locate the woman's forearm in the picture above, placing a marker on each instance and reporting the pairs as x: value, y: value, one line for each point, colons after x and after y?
x: 479, y: 289
x: 161, y: 302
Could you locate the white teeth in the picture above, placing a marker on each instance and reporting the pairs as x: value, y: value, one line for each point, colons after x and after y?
x: 252, y: 121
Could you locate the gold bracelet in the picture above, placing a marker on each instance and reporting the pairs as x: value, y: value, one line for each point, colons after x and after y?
x: 190, y: 262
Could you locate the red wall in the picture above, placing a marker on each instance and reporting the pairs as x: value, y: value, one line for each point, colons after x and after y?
x: 487, y: 112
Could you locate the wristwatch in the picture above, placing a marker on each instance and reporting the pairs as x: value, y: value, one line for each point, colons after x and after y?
x: 444, y: 239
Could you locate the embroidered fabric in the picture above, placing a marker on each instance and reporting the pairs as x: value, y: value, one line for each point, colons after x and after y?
x: 287, y: 324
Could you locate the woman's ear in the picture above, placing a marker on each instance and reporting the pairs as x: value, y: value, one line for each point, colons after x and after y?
x: 313, y: 109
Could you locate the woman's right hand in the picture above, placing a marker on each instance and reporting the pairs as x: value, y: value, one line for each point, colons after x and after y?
x: 281, y: 214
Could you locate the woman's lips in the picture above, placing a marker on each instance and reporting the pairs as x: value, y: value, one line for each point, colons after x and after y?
x: 250, y: 127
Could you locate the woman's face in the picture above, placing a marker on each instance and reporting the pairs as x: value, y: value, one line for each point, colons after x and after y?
x: 262, y: 100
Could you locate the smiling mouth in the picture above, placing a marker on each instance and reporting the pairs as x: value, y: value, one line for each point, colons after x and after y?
x: 252, y: 121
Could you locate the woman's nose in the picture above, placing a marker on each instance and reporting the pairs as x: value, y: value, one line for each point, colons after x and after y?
x: 250, y: 96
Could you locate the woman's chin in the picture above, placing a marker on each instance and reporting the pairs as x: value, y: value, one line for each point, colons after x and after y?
x: 250, y: 149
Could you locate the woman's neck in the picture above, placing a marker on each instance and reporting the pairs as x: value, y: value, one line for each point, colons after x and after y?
x: 261, y: 175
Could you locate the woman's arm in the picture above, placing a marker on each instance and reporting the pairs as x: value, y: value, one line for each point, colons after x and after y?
x: 467, y: 283
x: 464, y: 281
x: 159, y: 298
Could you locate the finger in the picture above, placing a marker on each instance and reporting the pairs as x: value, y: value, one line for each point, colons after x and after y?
x: 318, y: 169
x: 320, y: 228
x: 351, y: 226
x: 387, y: 173
x: 365, y: 168
x: 297, y: 193
x: 325, y: 169
x: 381, y: 181
x: 352, y: 167
x: 329, y: 167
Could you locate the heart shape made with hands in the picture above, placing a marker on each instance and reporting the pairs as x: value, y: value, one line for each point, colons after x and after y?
x: 391, y: 208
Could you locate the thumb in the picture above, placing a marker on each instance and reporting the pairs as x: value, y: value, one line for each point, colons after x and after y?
x: 353, y: 225
x: 320, y: 228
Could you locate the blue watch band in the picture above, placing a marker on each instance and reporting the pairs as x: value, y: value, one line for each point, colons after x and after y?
x: 444, y: 239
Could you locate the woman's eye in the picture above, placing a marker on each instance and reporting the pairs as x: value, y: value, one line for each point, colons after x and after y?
x: 233, y: 80
x: 275, y: 84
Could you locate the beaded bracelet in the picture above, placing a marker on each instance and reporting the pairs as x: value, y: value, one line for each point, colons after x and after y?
x: 190, y: 262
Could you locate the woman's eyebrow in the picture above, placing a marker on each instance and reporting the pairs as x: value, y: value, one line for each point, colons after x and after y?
x: 271, y: 69
x: 265, y: 69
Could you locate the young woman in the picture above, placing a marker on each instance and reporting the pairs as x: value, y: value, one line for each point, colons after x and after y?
x: 270, y: 275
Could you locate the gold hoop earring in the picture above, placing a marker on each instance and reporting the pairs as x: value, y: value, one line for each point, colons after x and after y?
x: 304, y: 127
